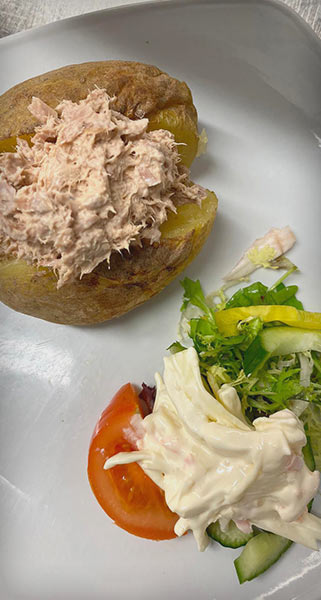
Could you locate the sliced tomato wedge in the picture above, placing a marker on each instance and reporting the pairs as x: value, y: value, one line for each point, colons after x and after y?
x: 125, y: 492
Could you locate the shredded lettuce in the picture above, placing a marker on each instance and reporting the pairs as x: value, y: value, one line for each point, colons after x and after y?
x: 194, y: 294
x: 264, y: 252
x: 262, y: 257
x: 176, y: 347
x: 311, y: 417
x: 282, y: 381
x: 202, y: 143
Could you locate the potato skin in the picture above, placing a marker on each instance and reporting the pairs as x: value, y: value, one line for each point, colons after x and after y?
x: 140, y: 90
x: 109, y: 292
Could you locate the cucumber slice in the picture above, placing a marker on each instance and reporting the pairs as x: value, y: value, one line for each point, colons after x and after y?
x: 259, y: 554
x: 233, y: 537
x: 286, y: 340
x: 277, y: 341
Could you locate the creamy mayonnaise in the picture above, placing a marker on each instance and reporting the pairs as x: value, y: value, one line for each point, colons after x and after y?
x: 213, y: 465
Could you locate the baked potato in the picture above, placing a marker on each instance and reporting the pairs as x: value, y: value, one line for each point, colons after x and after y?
x: 133, y: 277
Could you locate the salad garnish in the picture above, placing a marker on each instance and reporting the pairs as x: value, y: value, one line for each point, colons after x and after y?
x: 263, y: 252
x: 243, y: 365
x: 276, y: 380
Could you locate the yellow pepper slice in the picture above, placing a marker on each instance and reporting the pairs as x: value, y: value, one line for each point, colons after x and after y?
x: 227, y: 320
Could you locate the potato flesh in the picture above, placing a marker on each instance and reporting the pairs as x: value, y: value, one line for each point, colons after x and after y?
x: 184, y: 129
x: 9, y: 145
x: 181, y: 125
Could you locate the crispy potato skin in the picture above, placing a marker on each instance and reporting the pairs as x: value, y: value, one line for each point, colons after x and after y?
x: 139, y: 90
x: 109, y: 292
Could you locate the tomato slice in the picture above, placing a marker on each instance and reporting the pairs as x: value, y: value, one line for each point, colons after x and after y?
x: 125, y: 492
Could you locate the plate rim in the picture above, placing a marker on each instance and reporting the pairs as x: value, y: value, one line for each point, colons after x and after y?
x: 133, y: 8
x: 150, y: 4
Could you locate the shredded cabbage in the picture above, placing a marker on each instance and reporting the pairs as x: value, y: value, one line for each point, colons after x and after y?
x: 202, y: 143
x: 262, y: 257
x: 307, y: 364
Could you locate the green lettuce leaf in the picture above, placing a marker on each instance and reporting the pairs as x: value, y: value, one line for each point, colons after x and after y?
x: 311, y: 418
x: 259, y: 294
x: 176, y: 347
x: 194, y: 294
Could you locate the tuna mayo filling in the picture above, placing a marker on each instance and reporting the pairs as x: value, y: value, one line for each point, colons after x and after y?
x: 94, y: 182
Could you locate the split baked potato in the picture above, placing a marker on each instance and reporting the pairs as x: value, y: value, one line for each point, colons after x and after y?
x: 132, y: 278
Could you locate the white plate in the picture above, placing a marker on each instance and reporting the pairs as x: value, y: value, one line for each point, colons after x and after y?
x: 255, y: 72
